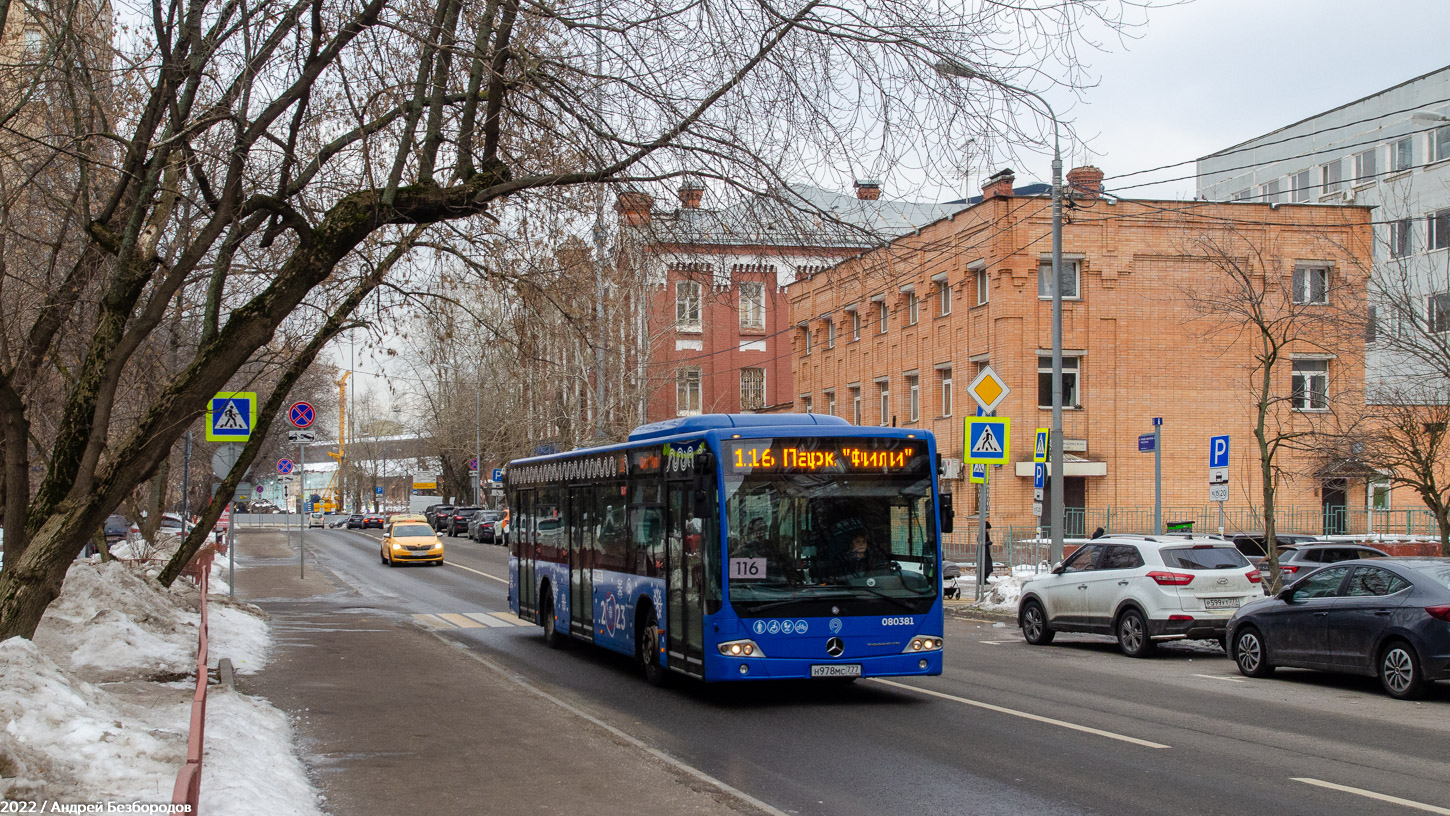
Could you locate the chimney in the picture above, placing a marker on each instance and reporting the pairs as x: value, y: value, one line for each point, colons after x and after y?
x: 634, y: 207
x: 868, y: 189
x: 999, y: 184
x: 691, y: 192
x: 1086, y: 181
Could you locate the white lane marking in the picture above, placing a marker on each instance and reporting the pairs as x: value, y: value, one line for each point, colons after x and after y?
x: 1024, y: 715
x: 510, y: 618
x: 435, y: 622
x: 1219, y: 677
x: 484, y: 618
x: 1395, y: 800
x: 460, y: 621
x: 476, y: 572
x: 997, y: 642
x: 721, y: 785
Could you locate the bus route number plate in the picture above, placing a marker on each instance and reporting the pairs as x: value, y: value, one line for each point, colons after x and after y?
x: 837, y: 670
x: 747, y: 569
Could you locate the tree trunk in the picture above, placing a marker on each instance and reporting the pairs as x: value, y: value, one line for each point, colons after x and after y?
x: 29, y: 585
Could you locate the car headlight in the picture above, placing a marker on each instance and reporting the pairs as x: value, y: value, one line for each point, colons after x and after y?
x: 438, y: 546
x: 924, y: 643
x: 397, y: 546
x: 741, y: 648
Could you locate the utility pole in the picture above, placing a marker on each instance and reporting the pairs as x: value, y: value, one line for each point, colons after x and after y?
x: 478, y: 443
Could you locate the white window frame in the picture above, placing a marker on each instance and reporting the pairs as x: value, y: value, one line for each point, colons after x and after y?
x: 689, y: 392
x: 1437, y: 313
x: 855, y: 325
x: 688, y: 301
x: 984, y: 289
x: 1309, y: 384
x: 913, y: 390
x: 1331, y: 176
x: 830, y: 334
x: 856, y: 405
x: 748, y: 387
x: 1302, y: 184
x: 884, y: 392
x: 946, y: 391
x: 1375, y: 487
x: 1071, y: 381
x: 1303, y: 288
x: 752, y: 305
x: 1402, y: 154
x: 1437, y: 230
x: 1044, y: 278
x: 1440, y: 143
x: 806, y: 339
x: 1402, y: 237
x: 806, y: 403
x: 1274, y: 192
x: 913, y: 307
x: 944, y: 299
x: 1366, y: 166
x: 831, y: 402
x: 885, y: 316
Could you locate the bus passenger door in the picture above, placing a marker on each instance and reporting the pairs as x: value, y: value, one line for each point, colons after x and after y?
x: 581, y: 562
x: 523, y: 521
x: 684, y: 574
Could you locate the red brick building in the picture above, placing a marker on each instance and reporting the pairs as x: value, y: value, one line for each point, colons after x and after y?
x: 895, y: 335
x: 718, y: 324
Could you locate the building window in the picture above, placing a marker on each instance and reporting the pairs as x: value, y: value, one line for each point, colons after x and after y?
x: 982, y: 288
x: 830, y: 334
x: 831, y: 403
x: 1332, y: 176
x: 1439, y: 229
x: 1311, y: 284
x: 913, y: 391
x: 1274, y: 192
x: 885, y: 389
x: 752, y: 305
x: 1364, y: 167
x: 855, y: 325
x: 882, y: 314
x: 855, y: 406
x: 1242, y: 195
x: 1440, y: 143
x: 911, y: 308
x: 1400, y: 238
x: 1438, y: 313
x: 946, y: 392
x: 806, y: 403
x: 806, y: 339
x: 1069, y: 382
x: 687, y: 306
x: 1311, y: 385
x: 1070, y: 289
x: 1301, y: 187
x: 687, y: 391
x: 752, y: 389
x: 1402, y: 154
x: 1379, y: 495
x: 944, y: 292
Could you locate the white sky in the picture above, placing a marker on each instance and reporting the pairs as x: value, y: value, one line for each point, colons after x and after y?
x: 1203, y: 76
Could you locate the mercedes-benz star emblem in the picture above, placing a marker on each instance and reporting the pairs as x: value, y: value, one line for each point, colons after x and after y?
x: 834, y: 647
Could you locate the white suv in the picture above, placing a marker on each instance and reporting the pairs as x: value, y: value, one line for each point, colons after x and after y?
x: 1142, y: 590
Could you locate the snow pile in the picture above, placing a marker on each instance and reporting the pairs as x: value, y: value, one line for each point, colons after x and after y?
x: 249, y: 767
x: 1003, y: 592
x: 67, y: 739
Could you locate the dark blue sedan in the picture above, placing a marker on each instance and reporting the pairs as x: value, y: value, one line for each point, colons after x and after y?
x: 1386, y: 617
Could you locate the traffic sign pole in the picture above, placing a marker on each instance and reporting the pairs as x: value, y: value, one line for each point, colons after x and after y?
x: 1157, y: 475
x: 983, y: 497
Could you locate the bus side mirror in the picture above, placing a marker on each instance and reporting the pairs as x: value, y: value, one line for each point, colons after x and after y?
x: 947, y: 513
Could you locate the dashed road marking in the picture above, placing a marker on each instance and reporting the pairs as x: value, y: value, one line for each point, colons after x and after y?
x: 510, y: 618
x: 477, y: 572
x: 1220, y: 677
x: 468, y: 620
x: 1394, y: 800
x: 1023, y: 714
x: 460, y: 621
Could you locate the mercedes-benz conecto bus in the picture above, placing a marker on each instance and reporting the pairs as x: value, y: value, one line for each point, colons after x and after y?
x: 738, y: 547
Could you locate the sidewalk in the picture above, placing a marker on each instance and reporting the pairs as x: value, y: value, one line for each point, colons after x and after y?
x: 392, y: 720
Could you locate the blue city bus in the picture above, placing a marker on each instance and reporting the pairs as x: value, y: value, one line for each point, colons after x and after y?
x: 738, y: 547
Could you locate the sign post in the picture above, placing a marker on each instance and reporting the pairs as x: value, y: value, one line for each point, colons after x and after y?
x: 989, y: 442
x: 1157, y: 475
x: 301, y: 414
x: 1218, y: 474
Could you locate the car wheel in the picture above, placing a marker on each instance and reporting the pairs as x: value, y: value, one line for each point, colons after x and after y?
x: 1400, y: 672
x: 383, y: 557
x: 1133, y: 637
x: 649, y: 652
x: 1250, y: 654
x: 552, y: 638
x: 1034, y: 624
x: 391, y: 562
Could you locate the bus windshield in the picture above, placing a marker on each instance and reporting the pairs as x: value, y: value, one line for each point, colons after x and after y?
x: 808, y: 543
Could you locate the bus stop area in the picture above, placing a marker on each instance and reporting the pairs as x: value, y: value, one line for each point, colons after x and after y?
x: 391, y: 719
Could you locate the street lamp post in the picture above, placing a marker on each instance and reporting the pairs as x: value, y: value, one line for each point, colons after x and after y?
x: 952, y: 69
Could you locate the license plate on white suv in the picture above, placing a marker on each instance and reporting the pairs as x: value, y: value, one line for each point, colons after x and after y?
x: 1221, y: 603
x: 847, y: 670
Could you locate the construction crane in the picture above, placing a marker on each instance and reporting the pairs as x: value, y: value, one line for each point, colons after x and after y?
x: 332, y: 496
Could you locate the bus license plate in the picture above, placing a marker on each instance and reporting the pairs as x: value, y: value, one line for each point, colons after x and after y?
x: 1220, y: 603
x: 851, y: 670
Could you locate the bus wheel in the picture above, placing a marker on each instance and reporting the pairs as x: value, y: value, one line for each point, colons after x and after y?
x: 649, y: 651
x: 552, y: 638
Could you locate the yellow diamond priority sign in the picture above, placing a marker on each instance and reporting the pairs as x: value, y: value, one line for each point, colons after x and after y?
x: 988, y: 390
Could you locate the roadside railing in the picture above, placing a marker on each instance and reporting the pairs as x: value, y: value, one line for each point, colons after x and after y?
x: 187, y: 790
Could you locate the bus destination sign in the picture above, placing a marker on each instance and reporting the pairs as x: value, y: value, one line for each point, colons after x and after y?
x: 825, y: 456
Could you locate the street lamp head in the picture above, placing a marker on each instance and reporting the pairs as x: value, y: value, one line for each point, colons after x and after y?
x: 1430, y: 116
x: 955, y: 70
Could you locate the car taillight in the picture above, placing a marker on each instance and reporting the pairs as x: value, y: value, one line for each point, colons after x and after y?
x: 1171, y: 578
x: 1441, y: 612
x: 1254, y: 577
x: 1288, y: 570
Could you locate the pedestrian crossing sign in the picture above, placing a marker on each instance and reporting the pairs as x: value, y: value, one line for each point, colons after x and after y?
x: 230, y: 416
x: 988, y: 440
x: 1039, y: 451
x: 979, y: 474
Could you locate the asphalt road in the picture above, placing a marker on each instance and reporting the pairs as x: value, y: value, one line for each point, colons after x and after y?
x: 1070, y: 728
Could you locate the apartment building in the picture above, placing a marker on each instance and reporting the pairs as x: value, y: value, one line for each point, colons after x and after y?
x: 894, y: 336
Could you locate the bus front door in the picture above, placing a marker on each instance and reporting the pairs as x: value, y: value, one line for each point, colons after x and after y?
x: 684, y: 577
x: 527, y: 552
x: 581, y: 562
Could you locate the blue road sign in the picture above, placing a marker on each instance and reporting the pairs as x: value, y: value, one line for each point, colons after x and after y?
x: 1218, y: 451
x: 473, y: 463
x: 1039, y: 475
x: 1157, y: 421
x: 301, y: 414
x: 989, y: 440
x: 261, y: 490
x: 498, y: 474
x: 284, y: 466
x: 979, y: 474
x: 378, y: 491
x: 1145, y: 443
x: 230, y: 416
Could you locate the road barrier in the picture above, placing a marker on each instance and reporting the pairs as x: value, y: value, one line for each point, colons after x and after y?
x: 187, y: 790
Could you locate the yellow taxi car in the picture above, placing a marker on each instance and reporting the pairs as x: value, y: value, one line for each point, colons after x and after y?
x: 397, y: 517
x: 411, y: 541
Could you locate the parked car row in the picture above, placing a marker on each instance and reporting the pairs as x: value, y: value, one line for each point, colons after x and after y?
x: 1349, y: 608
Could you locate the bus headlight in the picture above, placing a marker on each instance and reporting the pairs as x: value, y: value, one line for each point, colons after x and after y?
x: 924, y: 643
x: 741, y: 648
